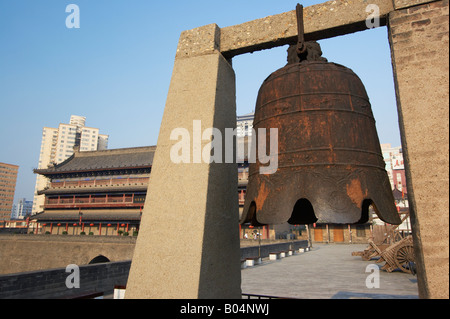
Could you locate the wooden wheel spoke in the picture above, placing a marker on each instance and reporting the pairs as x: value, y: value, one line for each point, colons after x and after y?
x: 403, y: 257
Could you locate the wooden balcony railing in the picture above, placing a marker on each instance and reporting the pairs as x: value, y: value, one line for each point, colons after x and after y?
x: 94, y: 201
x: 101, y: 183
x: 75, y: 201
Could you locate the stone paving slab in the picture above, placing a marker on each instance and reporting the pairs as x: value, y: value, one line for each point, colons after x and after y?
x: 328, y: 271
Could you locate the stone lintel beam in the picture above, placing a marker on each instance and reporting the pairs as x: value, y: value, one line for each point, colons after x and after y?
x: 321, y: 21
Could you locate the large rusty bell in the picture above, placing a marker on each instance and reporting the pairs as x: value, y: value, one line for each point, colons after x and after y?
x: 330, y: 165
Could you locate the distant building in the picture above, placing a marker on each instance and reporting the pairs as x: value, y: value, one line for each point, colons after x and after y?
x: 399, y: 179
x: 245, y: 124
x: 22, y: 209
x: 8, y: 178
x: 393, y: 157
x: 98, y: 192
x: 58, y: 145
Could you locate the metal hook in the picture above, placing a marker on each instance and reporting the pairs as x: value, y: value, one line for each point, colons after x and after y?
x: 301, y: 47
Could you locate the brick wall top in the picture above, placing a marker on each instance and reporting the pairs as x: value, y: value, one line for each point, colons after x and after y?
x: 68, y: 239
x: 401, y: 4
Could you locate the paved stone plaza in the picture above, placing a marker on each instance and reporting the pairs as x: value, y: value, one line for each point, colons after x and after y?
x: 328, y: 271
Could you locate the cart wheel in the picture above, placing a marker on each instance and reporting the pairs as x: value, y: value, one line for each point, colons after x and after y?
x: 404, y: 258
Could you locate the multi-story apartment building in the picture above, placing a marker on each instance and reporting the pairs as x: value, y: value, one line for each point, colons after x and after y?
x: 393, y: 156
x: 58, y: 145
x: 245, y: 124
x: 22, y: 209
x: 8, y: 178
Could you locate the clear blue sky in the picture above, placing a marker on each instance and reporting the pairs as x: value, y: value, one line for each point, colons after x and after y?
x: 116, y: 68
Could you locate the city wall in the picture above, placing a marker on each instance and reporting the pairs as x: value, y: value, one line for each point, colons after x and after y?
x: 31, y: 253
x: 51, y: 283
x: 30, y: 272
x: 22, y: 253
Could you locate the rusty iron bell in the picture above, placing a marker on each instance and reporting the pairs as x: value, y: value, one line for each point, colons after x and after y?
x: 330, y: 164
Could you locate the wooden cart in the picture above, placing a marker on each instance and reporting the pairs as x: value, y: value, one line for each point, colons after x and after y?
x: 392, y: 248
x: 371, y: 252
x: 381, y: 241
x: 399, y: 256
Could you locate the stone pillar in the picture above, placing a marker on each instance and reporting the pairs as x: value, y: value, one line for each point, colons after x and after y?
x: 419, y: 39
x: 188, y: 244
